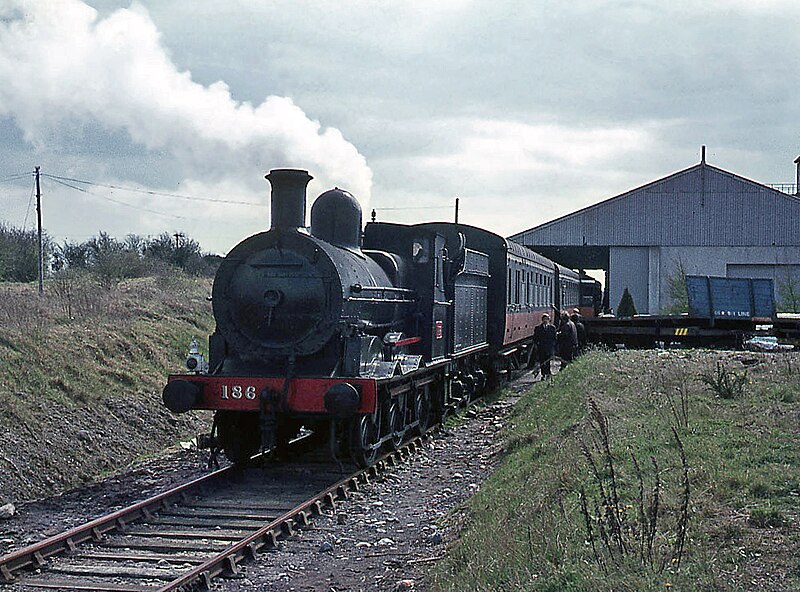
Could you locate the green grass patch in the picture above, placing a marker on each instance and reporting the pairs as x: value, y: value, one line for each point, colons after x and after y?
x: 103, y: 339
x: 81, y: 374
x: 634, y: 471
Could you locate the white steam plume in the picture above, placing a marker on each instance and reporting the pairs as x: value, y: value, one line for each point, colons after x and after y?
x: 62, y: 67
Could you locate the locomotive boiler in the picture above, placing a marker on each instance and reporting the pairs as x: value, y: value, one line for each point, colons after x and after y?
x: 289, y: 297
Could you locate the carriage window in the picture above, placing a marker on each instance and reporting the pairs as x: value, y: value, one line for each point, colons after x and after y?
x: 529, y: 289
x: 525, y: 287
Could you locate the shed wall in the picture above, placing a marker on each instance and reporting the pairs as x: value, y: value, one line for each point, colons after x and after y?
x: 629, y: 268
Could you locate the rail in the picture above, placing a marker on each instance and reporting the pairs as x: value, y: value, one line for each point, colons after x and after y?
x: 39, y: 564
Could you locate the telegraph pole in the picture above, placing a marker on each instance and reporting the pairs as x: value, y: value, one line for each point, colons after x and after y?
x: 456, y: 210
x: 39, y: 225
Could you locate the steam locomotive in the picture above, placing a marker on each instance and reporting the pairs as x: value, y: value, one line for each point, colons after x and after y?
x: 363, y: 338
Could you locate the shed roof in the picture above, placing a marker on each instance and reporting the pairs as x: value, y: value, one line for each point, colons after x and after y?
x: 699, y: 206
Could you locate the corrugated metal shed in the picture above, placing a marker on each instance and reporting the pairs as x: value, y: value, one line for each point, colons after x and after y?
x: 699, y: 206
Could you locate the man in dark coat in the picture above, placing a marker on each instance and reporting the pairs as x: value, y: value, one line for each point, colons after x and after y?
x: 566, y: 339
x: 544, y: 336
x: 580, y: 328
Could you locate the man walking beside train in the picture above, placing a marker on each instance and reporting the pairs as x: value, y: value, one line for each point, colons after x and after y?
x: 567, y: 339
x: 575, y: 317
x: 544, y: 336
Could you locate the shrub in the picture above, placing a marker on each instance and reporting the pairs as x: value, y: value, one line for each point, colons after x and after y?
x: 626, y: 306
x: 19, y: 254
x: 725, y: 383
x: 111, y: 260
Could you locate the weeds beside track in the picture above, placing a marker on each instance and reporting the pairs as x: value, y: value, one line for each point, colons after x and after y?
x: 659, y: 483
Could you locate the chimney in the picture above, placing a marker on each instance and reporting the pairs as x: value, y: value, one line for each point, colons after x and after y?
x: 288, y: 205
x: 797, y: 178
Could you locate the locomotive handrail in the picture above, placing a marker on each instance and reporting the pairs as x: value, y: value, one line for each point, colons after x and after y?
x: 392, y: 300
x: 360, y: 288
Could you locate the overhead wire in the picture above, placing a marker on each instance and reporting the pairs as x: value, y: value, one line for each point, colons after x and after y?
x: 73, y: 183
x: 30, y: 201
x: 415, y: 208
x: 111, y: 199
x: 151, y: 192
x: 67, y: 180
x: 211, y: 199
x: 15, y: 177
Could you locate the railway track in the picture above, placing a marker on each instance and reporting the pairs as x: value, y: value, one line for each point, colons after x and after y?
x: 184, y: 538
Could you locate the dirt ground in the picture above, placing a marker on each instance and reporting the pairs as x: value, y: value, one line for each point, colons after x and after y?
x: 53, y: 447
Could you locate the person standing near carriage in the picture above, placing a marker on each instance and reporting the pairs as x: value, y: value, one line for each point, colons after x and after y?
x: 544, y: 336
x: 575, y: 317
x: 566, y: 339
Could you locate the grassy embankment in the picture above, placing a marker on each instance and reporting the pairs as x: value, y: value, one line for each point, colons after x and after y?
x: 81, y: 373
x: 638, y: 471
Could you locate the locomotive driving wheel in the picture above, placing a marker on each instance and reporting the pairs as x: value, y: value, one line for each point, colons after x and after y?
x: 422, y: 409
x: 365, y: 440
x: 396, y: 422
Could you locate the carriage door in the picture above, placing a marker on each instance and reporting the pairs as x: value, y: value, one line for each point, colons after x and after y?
x: 442, y: 328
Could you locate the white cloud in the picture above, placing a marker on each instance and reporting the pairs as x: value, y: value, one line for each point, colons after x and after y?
x: 504, y: 147
x: 63, y: 69
x: 512, y: 175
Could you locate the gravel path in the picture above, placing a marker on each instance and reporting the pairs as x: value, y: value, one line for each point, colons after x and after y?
x: 387, y: 535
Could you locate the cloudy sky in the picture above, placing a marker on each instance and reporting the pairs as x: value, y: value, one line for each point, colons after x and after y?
x: 526, y: 110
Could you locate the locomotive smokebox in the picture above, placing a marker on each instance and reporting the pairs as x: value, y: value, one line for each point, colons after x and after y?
x: 288, y: 204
